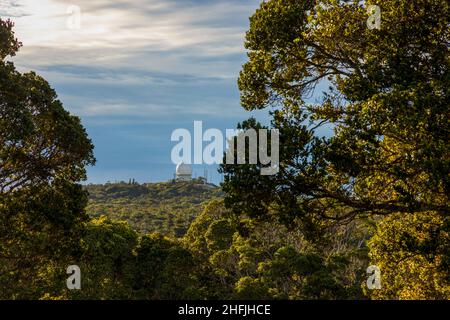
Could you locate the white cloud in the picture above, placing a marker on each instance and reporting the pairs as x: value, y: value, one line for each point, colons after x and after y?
x: 124, y: 43
x: 11, y: 8
x: 118, y: 33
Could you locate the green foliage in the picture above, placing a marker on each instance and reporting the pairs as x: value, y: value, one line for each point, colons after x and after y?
x: 388, y: 103
x: 246, y: 259
x: 219, y: 235
x: 43, y: 154
x: 117, y: 263
x: 167, y: 208
x: 381, y: 179
x: 413, y: 253
x: 293, y: 275
x: 107, y: 262
x: 164, y: 270
x: 9, y: 45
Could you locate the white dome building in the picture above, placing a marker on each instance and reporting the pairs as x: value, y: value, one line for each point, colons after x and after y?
x: 184, y: 172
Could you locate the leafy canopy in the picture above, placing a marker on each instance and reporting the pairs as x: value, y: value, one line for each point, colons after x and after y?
x: 384, y: 92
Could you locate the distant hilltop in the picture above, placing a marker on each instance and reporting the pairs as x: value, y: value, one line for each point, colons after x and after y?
x: 132, y: 188
x: 165, y: 207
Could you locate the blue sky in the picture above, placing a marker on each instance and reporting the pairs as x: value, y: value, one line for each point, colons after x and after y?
x: 137, y: 70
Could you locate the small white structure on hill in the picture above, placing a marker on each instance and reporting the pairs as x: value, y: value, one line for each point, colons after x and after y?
x: 184, y: 172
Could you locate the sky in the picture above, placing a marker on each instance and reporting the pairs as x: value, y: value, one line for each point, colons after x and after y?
x: 136, y: 70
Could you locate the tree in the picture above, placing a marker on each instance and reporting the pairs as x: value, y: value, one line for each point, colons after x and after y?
x: 43, y: 154
x: 386, y: 96
x: 164, y: 270
x: 241, y: 258
x: 108, y: 261
x: 292, y: 275
x: 388, y: 102
x: 413, y: 254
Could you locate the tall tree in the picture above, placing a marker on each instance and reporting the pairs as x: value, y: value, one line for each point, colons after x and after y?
x: 388, y: 102
x: 386, y: 94
x: 43, y: 154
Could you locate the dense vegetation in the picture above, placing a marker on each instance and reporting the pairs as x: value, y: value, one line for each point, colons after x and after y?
x: 168, y: 208
x: 388, y: 101
x: 374, y: 193
x: 223, y: 256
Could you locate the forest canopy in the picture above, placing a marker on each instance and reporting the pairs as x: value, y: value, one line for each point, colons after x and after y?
x: 373, y: 193
x: 387, y: 99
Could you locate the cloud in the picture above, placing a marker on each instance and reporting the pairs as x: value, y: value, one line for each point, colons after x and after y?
x: 153, y: 96
x: 137, y: 53
x: 119, y: 31
x: 11, y: 9
x: 136, y: 70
